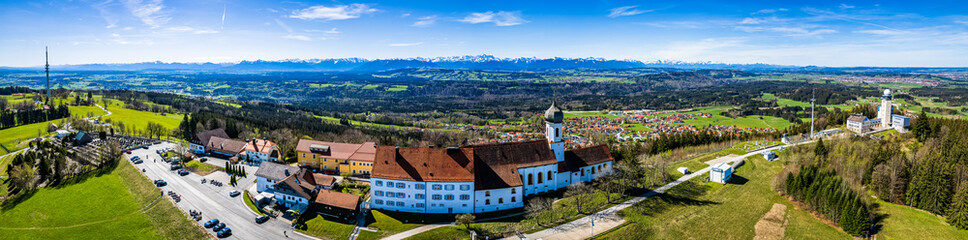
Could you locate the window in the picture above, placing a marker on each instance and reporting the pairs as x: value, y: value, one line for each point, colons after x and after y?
x: 500, y: 200
x: 379, y: 183
x: 304, y: 154
x: 487, y: 201
x: 390, y: 203
x: 488, y: 193
x: 420, y: 205
x: 420, y: 196
x: 465, y: 197
x: 465, y: 187
x: 389, y: 184
x: 593, y: 170
x: 514, y: 190
x: 401, y: 185
x: 557, y: 132
x: 399, y: 204
x: 436, y: 197
x: 449, y: 187
x: 378, y: 201
x: 540, y: 179
x: 514, y: 199
x: 436, y: 187
x: 419, y: 186
x: 549, y: 176
x: 449, y: 197
x: 530, y: 179
x: 582, y: 172
x: 314, y: 156
x: 378, y: 193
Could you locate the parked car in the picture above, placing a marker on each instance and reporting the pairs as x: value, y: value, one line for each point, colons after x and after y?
x: 145, y: 147
x: 128, y: 151
x: 182, y: 172
x: 175, y: 167
x: 218, y: 227
x: 135, y: 158
x: 203, y: 159
x: 138, y: 161
x: 234, y: 193
x: 224, y: 233
x: 329, y: 172
x: 160, y: 183
x: 211, y: 223
x: 261, y: 218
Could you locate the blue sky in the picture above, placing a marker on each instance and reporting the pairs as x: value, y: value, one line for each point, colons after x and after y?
x: 824, y: 33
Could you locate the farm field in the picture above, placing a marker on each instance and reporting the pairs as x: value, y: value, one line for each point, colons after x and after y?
x: 119, y: 205
x: 13, y: 138
x: 687, y: 210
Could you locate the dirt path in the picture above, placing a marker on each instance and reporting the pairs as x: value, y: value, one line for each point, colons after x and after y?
x: 771, y: 226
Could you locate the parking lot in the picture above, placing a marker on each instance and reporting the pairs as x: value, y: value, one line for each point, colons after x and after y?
x: 213, y: 201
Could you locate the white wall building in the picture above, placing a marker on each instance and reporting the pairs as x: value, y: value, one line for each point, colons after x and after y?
x: 482, y: 178
x: 721, y: 173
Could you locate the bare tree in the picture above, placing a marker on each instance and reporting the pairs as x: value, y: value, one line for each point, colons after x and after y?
x: 609, y: 186
x: 465, y: 219
x: 537, y: 206
x: 581, y: 193
x: 285, y: 141
x: 22, y: 177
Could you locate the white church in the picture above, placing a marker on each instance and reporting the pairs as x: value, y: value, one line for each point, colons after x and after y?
x: 482, y: 178
x: 885, y: 118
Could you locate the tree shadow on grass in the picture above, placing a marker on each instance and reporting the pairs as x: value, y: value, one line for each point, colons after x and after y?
x: 737, y: 180
x: 13, y: 202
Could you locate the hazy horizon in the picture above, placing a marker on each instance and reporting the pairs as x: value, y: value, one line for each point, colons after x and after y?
x: 808, y: 33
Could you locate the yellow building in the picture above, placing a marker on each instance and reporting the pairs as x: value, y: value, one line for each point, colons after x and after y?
x: 336, y: 158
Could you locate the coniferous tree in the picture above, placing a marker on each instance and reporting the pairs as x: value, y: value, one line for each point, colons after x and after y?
x: 958, y: 212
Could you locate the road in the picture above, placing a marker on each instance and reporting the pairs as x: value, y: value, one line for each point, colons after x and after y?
x: 589, y: 226
x: 213, y: 201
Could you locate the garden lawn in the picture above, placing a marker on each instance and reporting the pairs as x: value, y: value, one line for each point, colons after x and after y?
x: 103, y: 207
x: 697, y: 210
x: 904, y: 222
x: 248, y: 202
x: 86, y: 111
x: 321, y: 227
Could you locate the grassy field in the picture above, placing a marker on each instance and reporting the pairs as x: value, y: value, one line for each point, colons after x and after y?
x: 444, y: 233
x: 319, y: 226
x: 588, y: 114
x: 119, y: 205
x: 904, y: 222
x: 140, y: 119
x: 201, y: 168
x: 86, y: 111
x: 697, y: 210
x: 11, y: 138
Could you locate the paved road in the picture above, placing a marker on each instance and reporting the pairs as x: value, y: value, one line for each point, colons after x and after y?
x: 212, y: 201
x: 589, y: 226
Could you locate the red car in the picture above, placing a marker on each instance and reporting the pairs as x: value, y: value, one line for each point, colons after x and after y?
x: 329, y: 172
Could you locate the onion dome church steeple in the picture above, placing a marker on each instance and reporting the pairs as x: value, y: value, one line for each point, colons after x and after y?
x: 554, y: 114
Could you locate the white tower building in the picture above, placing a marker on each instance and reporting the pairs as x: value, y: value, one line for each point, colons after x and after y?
x: 554, y: 119
x: 886, y: 109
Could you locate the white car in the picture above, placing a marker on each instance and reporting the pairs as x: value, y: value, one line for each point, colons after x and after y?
x: 234, y: 193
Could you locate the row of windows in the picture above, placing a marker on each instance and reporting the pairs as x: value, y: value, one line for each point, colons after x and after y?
x: 420, y: 186
x: 540, y: 178
x: 499, y: 200
x: 488, y: 193
x: 420, y: 205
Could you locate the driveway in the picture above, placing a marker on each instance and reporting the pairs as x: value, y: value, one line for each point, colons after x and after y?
x: 213, y: 201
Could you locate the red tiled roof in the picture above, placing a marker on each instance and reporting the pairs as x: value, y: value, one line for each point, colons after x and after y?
x: 498, y: 164
x: 349, y: 151
x: 260, y: 145
x: 338, y: 199
x: 225, y: 145
x: 424, y: 164
x: 577, y: 158
x: 323, y: 179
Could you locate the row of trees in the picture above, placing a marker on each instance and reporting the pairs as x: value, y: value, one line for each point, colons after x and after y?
x: 825, y: 192
x: 10, y: 119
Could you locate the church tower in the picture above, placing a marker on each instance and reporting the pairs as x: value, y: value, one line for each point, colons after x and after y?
x: 554, y: 120
x: 884, y: 112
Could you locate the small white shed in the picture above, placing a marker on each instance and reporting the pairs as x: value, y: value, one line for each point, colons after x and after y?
x: 683, y: 170
x: 721, y: 173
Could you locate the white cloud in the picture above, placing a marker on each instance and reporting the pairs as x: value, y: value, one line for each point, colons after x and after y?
x: 501, y: 18
x: 148, y: 11
x: 789, y: 31
x: 404, y: 15
x: 180, y: 29
x: 884, y: 32
x: 406, y: 44
x: 425, y: 21
x: 297, y: 37
x: 626, y: 11
x: 338, y: 12
x: 768, y: 11
x: 845, y: 6
x: 332, y: 31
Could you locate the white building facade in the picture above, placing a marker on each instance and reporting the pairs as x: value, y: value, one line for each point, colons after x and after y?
x: 482, y: 178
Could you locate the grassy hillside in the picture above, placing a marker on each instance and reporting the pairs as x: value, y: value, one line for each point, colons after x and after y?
x: 119, y: 205
x: 697, y: 210
x: 904, y: 222
x: 140, y: 119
